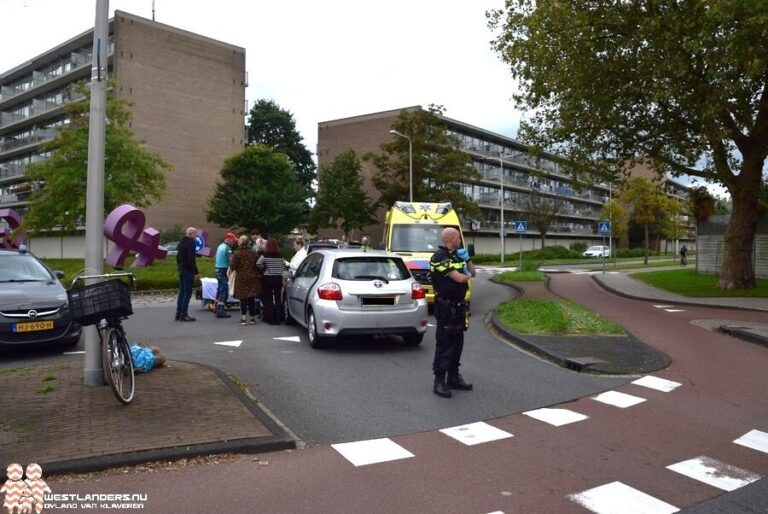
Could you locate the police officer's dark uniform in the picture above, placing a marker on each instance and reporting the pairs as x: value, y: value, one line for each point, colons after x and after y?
x: 450, y: 314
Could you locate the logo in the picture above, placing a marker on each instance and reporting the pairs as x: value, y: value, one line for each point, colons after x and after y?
x: 22, y: 496
x: 32, y: 314
x: 377, y: 283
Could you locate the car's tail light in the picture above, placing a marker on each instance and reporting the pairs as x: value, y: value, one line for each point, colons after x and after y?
x: 329, y: 291
x: 417, y: 292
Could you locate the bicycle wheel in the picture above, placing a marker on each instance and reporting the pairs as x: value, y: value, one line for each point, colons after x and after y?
x: 118, y: 365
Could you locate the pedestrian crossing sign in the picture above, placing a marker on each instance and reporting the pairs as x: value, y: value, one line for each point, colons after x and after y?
x: 604, y: 227
x: 521, y: 227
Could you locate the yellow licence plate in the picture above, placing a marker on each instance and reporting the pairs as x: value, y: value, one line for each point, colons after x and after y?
x: 33, y: 326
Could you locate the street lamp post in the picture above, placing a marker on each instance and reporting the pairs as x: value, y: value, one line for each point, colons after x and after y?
x: 410, y: 163
x: 501, y: 179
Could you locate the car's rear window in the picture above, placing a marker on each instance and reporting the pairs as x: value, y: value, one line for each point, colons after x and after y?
x: 370, y: 268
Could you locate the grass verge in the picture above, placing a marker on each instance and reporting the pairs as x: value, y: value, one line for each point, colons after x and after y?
x: 546, y: 317
x: 688, y: 282
x: 521, y: 276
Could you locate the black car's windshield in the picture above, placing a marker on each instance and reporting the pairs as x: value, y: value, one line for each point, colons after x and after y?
x: 417, y: 238
x: 22, y: 268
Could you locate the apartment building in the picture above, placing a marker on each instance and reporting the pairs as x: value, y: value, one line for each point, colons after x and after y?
x: 188, y: 95
x: 503, y: 164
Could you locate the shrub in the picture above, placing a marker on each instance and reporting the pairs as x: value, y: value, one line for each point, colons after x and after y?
x: 578, y: 247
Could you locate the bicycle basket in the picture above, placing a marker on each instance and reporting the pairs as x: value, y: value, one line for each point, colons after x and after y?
x: 106, y: 300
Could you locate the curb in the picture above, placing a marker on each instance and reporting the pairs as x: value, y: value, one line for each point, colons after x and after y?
x: 742, y: 333
x: 280, y: 440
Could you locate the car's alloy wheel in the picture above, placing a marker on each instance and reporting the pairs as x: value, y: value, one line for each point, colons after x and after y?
x: 314, y: 339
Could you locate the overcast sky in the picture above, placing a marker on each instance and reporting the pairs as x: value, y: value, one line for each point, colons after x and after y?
x: 319, y: 59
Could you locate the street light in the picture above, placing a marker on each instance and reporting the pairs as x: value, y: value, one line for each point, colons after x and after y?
x: 501, y: 178
x: 410, y: 163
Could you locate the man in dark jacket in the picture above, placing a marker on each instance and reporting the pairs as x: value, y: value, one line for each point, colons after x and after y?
x: 185, y: 260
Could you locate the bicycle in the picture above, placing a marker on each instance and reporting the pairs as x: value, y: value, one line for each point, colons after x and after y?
x: 105, y: 304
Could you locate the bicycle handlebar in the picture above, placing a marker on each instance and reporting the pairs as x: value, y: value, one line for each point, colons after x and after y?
x: 128, y: 274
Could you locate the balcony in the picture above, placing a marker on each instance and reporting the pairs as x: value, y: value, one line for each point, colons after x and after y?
x: 36, y: 137
x: 37, y: 108
x: 76, y: 61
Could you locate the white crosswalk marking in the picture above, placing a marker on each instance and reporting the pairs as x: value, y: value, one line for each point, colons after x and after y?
x: 373, y: 451
x: 618, y: 399
x: 754, y: 439
x: 715, y: 473
x: 619, y: 498
x: 657, y: 383
x: 556, y: 417
x: 476, y: 433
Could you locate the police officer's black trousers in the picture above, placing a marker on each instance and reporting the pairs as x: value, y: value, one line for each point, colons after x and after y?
x: 448, y: 347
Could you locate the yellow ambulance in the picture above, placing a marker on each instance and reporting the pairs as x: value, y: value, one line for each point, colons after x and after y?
x: 414, y: 231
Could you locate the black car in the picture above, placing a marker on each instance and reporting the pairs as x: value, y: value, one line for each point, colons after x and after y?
x: 33, y: 303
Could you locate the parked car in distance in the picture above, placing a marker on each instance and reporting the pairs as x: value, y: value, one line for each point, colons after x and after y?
x: 33, y: 303
x: 341, y: 292
x: 597, y: 251
x: 171, y: 248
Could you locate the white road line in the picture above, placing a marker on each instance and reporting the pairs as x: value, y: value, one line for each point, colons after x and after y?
x: 619, y: 498
x: 618, y: 399
x: 754, y: 439
x: 662, y: 306
x: 715, y: 473
x: 660, y: 384
x: 556, y: 417
x: 675, y: 310
x: 292, y: 339
x: 74, y: 353
x: 236, y: 344
x: 476, y: 433
x: 373, y: 451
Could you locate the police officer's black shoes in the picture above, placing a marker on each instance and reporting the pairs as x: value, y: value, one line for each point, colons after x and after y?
x: 441, y: 388
x: 455, y: 381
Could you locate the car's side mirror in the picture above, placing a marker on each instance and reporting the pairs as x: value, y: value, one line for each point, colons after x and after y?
x: 58, y: 273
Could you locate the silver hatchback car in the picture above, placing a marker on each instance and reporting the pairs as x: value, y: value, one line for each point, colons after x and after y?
x: 338, y: 292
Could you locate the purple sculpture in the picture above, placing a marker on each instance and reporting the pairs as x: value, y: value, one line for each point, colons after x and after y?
x: 125, y: 227
x: 12, y: 222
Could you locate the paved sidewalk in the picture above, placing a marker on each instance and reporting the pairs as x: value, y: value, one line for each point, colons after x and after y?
x: 181, y: 410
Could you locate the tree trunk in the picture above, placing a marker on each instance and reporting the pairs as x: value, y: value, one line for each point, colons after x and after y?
x: 647, y: 242
x: 737, y: 271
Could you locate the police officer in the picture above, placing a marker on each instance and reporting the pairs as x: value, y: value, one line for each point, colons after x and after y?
x: 451, y: 269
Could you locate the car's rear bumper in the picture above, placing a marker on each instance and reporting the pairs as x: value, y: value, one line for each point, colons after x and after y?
x: 332, y: 321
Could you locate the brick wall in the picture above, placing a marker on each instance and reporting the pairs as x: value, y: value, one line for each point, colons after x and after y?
x: 189, y: 96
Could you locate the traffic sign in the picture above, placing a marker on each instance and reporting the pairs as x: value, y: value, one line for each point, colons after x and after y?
x: 604, y: 227
x: 521, y: 227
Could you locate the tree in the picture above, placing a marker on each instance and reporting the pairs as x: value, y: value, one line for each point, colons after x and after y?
x: 701, y: 203
x: 258, y: 189
x: 615, y: 212
x: 676, y: 83
x: 341, y: 199
x: 438, y: 165
x: 647, y: 199
x: 132, y: 174
x: 270, y: 125
x: 672, y: 226
x: 542, y: 211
